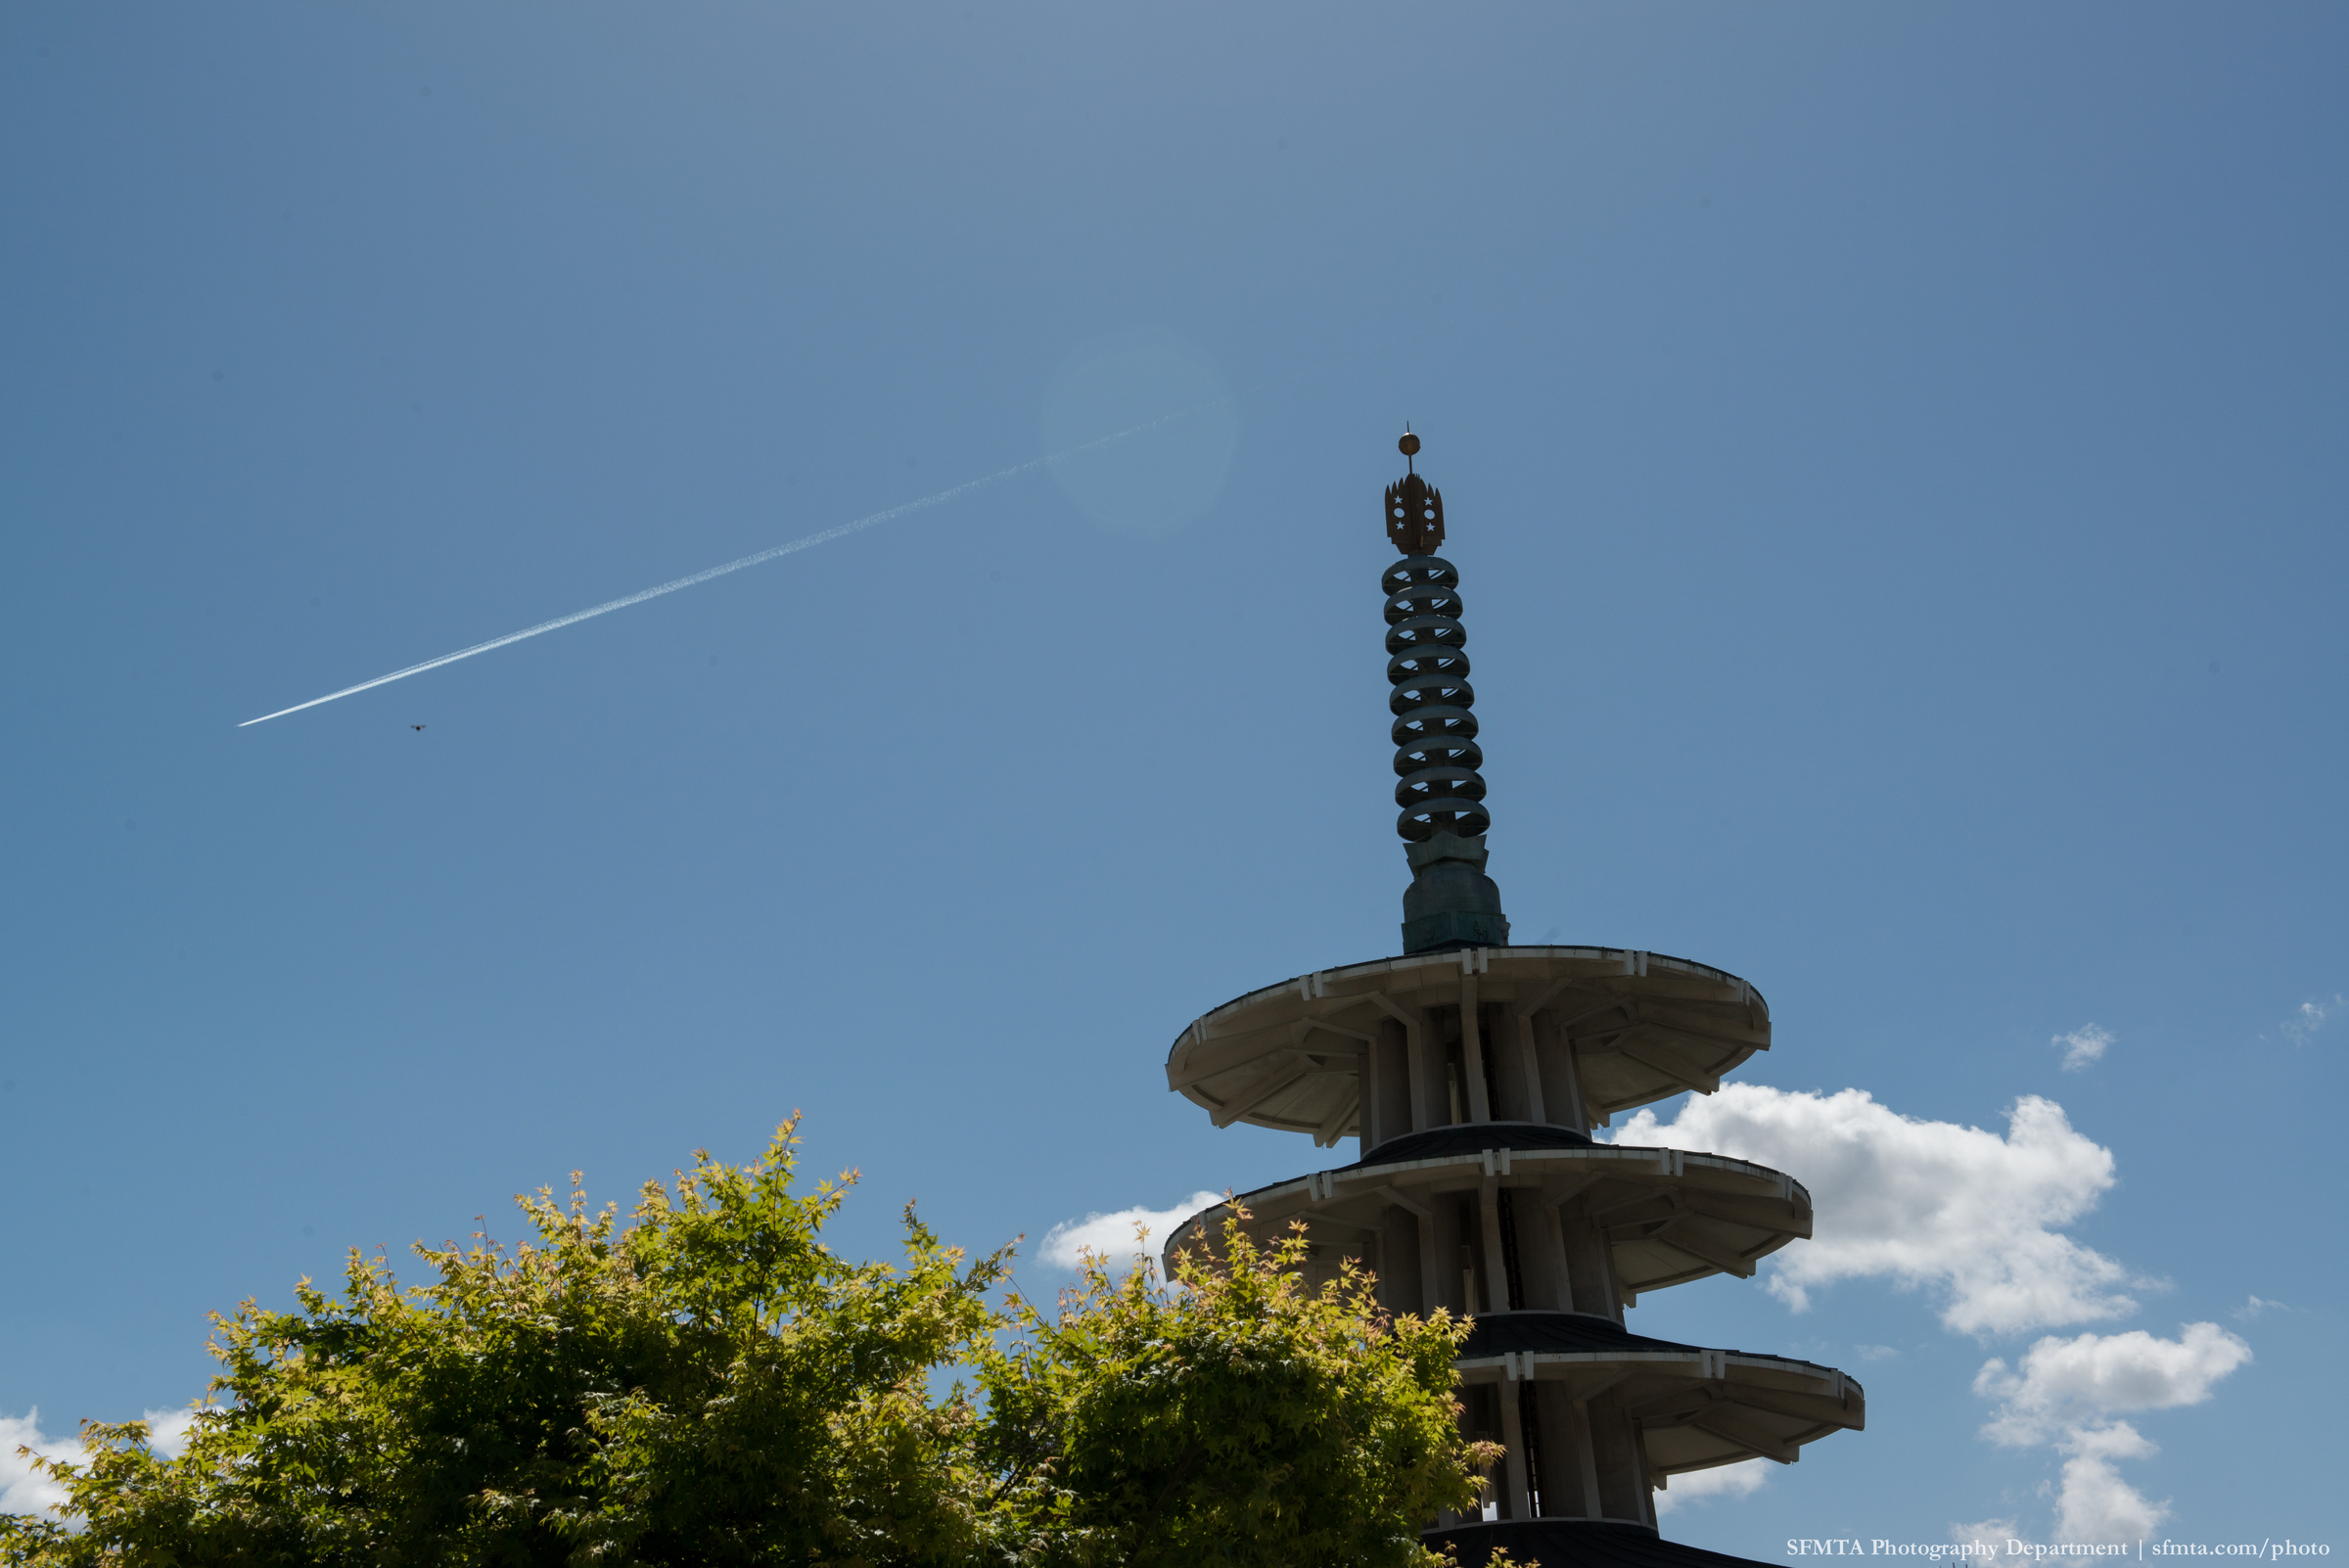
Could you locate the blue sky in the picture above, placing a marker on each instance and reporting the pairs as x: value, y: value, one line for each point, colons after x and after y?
x: 1894, y: 456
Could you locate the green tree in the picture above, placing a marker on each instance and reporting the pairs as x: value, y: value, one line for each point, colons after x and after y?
x: 709, y: 1384
x: 1236, y: 1420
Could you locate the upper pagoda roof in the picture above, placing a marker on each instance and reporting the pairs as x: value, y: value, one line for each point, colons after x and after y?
x: 1643, y: 1026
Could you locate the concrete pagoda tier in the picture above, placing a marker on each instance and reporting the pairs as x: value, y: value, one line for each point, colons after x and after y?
x: 1380, y: 1048
x: 1473, y: 1072
x: 1472, y: 1079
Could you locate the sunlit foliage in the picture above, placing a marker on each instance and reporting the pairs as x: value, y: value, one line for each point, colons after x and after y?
x: 707, y: 1383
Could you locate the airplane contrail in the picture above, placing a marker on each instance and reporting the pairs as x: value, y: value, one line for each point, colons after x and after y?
x: 796, y: 546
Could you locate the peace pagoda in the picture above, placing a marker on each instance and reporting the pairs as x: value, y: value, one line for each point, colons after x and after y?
x: 1472, y: 1072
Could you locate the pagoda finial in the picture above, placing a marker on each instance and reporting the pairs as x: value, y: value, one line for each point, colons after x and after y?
x: 1415, y: 507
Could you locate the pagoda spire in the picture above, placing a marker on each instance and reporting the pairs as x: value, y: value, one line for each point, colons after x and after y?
x: 1451, y: 902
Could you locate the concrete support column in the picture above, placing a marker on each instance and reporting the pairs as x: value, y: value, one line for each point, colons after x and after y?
x: 1388, y: 1110
x: 1587, y: 1462
x: 1647, y: 1482
x: 1431, y: 1270
x: 1565, y: 1455
x: 1590, y: 1268
x: 1522, y: 1082
x: 1431, y: 1077
x: 1542, y: 1255
x: 1515, y: 1498
x: 1614, y: 1450
x: 1449, y: 1241
x: 1496, y: 1268
x: 1480, y: 1422
x: 1561, y: 1081
x: 1402, y: 1287
x: 1472, y: 1053
x: 1516, y: 1081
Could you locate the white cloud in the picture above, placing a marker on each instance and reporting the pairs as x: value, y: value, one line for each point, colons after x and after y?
x: 1965, y: 1212
x: 2067, y: 1392
x: 1740, y: 1480
x: 2303, y: 1024
x: 1990, y: 1535
x: 1874, y: 1352
x: 2095, y: 1503
x: 2073, y: 1385
x: 1977, y: 1217
x: 1112, y: 1236
x: 168, y: 1431
x: 22, y: 1490
x: 2082, y: 1045
x: 2253, y: 1306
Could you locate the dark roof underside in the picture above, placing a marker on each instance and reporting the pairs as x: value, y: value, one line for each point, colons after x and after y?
x: 1577, y: 1543
x: 1471, y: 1137
x: 1557, y: 1333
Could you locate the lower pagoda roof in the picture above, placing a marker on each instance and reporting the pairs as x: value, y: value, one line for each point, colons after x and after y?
x: 1696, y: 1407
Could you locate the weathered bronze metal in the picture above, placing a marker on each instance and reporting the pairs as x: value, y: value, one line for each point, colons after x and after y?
x: 1415, y: 512
x: 1452, y: 902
